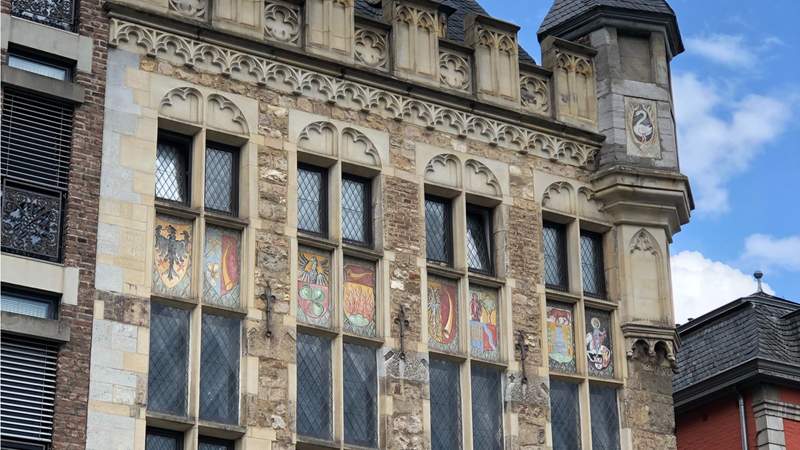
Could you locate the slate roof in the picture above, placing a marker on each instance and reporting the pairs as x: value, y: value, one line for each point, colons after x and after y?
x: 759, y: 327
x: 455, y: 23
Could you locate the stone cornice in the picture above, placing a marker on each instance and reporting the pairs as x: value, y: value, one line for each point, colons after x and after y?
x: 292, y: 79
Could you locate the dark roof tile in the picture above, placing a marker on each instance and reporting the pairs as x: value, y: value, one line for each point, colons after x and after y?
x: 564, y: 10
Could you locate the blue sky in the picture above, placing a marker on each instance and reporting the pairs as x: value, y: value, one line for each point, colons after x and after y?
x: 737, y: 89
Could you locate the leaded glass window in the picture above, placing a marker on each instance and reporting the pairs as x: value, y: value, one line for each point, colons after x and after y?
x: 360, y: 396
x: 605, y: 417
x: 356, y: 211
x: 312, y: 200
x: 592, y: 269
x: 438, y: 230
x: 173, y: 167
x: 222, y: 179
x: 207, y: 443
x: 157, y: 439
x: 487, y: 408
x: 565, y: 415
x: 479, y: 240
x: 219, y: 369
x: 167, y: 378
x: 314, y: 386
x: 445, y: 405
x: 554, y: 243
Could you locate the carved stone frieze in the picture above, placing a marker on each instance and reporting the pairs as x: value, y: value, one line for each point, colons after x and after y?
x: 455, y: 71
x: 641, y: 125
x: 535, y: 94
x: 283, y: 77
x: 282, y: 23
x: 196, y: 9
x: 413, y: 368
x: 371, y: 48
x: 520, y: 391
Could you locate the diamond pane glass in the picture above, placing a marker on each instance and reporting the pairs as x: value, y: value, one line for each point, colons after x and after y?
x: 605, y: 417
x: 163, y: 440
x: 445, y: 405
x: 222, y: 267
x: 355, y: 211
x: 437, y: 230
x: 220, y: 183
x: 443, y: 314
x: 360, y: 396
x: 478, y: 253
x: 555, y: 256
x: 359, y: 297
x: 172, y: 264
x: 167, y: 378
x: 214, y: 444
x: 565, y: 415
x: 171, y: 168
x: 599, y: 343
x: 483, y: 310
x: 313, y: 386
x: 592, y: 265
x: 487, y: 409
x: 313, y: 287
x: 561, y: 337
x: 219, y: 369
x: 311, y: 201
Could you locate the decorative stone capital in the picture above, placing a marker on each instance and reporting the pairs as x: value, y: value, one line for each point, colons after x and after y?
x: 496, y: 58
x: 574, y: 81
x: 651, y: 345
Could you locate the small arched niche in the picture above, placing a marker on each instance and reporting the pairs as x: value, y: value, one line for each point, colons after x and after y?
x: 559, y: 196
x: 480, y: 179
x: 357, y: 147
x: 184, y: 104
x: 444, y: 169
x: 319, y: 137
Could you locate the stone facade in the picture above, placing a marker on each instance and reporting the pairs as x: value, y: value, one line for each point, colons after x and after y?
x: 396, y: 101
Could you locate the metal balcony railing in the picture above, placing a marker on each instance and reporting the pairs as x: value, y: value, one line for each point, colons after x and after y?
x: 55, y: 13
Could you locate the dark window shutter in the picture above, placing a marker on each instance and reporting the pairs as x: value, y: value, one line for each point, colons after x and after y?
x: 27, y: 389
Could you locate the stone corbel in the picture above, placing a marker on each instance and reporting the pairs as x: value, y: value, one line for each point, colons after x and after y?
x: 496, y: 58
x: 655, y: 346
x: 574, y: 81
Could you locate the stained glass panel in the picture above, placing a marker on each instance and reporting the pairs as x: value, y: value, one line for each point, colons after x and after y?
x: 167, y: 378
x: 561, y: 337
x: 220, y: 183
x: 359, y: 297
x: 171, y: 169
x: 565, y: 415
x: 599, y: 343
x: 592, y: 269
x: 222, y: 266
x: 311, y: 200
x: 483, y: 328
x: 442, y: 314
x: 438, y: 228
x: 487, y: 408
x: 313, y: 287
x: 360, y: 396
x: 445, y: 405
x: 605, y: 417
x: 172, y: 264
x: 163, y: 440
x: 356, y: 211
x: 554, y: 244
x: 313, y: 386
x: 478, y: 241
x: 219, y: 369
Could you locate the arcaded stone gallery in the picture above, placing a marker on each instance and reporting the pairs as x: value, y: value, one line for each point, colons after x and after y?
x: 331, y: 224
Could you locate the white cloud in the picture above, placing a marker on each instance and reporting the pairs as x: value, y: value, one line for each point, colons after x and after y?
x: 773, y: 252
x: 722, y: 48
x: 700, y: 285
x: 719, y: 136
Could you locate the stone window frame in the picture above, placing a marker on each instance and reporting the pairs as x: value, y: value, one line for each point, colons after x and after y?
x: 575, y: 296
x: 462, y: 199
x: 201, y: 135
x: 336, y: 167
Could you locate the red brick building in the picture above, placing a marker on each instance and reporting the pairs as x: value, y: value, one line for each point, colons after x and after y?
x: 738, y: 380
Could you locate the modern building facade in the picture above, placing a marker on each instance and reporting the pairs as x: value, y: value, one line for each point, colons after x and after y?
x: 738, y: 384
x: 380, y: 224
x: 53, y: 88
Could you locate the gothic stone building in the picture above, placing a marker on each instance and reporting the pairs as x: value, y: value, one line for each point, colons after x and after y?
x: 329, y: 224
